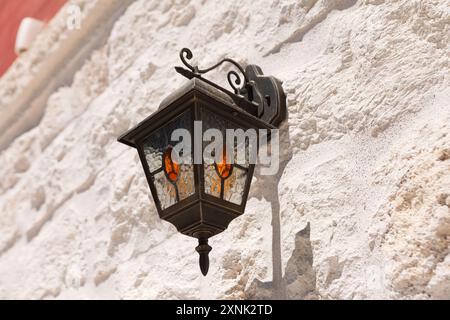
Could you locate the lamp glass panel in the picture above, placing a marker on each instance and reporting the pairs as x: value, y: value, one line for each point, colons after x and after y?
x: 173, y: 181
x: 234, y: 184
x: 212, y: 180
x: 166, y: 191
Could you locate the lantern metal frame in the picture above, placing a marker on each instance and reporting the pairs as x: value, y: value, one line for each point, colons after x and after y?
x: 257, y: 102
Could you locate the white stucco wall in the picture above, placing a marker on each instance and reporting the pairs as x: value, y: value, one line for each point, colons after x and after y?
x: 360, y: 208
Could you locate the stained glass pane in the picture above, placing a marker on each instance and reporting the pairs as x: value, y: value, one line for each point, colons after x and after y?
x: 153, y: 157
x: 234, y: 186
x: 212, y: 180
x: 242, y: 147
x: 159, y: 140
x: 166, y: 191
x: 173, y: 181
x: 185, y: 183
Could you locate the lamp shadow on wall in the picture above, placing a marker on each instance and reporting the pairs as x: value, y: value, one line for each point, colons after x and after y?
x: 299, y: 281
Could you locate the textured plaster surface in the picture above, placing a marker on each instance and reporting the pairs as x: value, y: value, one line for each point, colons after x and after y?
x: 359, y: 209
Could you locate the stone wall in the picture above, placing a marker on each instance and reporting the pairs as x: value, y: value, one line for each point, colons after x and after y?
x: 359, y: 209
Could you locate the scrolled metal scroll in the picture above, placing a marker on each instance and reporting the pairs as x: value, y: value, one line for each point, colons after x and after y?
x: 237, y: 84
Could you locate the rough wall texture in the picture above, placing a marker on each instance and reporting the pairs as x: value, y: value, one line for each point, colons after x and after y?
x: 359, y: 209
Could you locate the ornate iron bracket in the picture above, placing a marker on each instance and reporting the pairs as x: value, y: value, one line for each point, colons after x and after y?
x: 238, y: 85
x: 264, y: 92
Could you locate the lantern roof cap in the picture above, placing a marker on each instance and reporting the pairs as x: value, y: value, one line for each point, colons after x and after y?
x: 199, y: 85
x: 236, y: 103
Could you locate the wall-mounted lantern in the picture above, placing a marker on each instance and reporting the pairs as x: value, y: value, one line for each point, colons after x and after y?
x: 199, y: 197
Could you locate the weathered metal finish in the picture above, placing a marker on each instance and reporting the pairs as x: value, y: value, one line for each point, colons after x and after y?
x: 203, y: 250
x: 258, y: 104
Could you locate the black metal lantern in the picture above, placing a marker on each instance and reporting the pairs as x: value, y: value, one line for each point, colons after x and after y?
x: 202, y: 198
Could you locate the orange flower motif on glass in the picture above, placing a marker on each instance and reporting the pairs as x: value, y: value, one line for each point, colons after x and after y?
x: 171, y: 168
x: 223, y: 168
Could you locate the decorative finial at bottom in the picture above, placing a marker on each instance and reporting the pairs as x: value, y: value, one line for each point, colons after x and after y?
x: 203, y: 250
